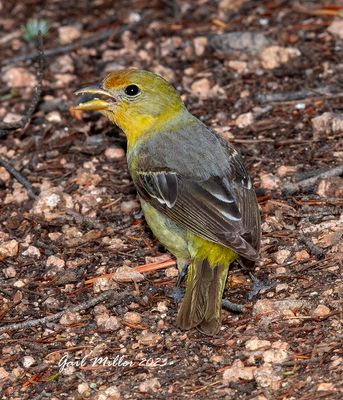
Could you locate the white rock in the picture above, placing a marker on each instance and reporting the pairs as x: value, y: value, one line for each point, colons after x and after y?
x: 28, y: 361
x: 244, y: 120
x: 149, y: 339
x: 19, y: 284
x: 326, y: 124
x: 3, y: 374
x: 128, y: 206
x: 281, y: 256
x: 162, y: 307
x: 10, y: 118
x: 275, y: 355
x: 127, y: 274
x: 83, y: 389
x: 112, y: 393
x: 4, y: 175
x: 281, y: 287
x: 114, y: 153
x: 171, y: 272
x: 286, y: 170
x: 281, y: 270
x: 326, y: 387
x: 112, y: 324
x: 32, y: 251
x: 19, y: 77
x: 239, y: 66
x: 266, y: 377
x: 52, y: 203
x: 322, y: 311
x: 269, y: 181
x: 68, y: 34
x: 9, y: 249
x: 201, y: 88
x: 254, y: 344
x: 70, y: 318
x: 200, y: 44
x: 274, y: 56
x: 53, y: 116
x: 150, y: 385
x: 301, y: 255
x: 115, y: 243
x: 276, y: 307
x: 54, y: 261
x: 10, y: 272
x: 132, y: 318
x: 63, y: 64
x: 104, y: 284
x: 336, y: 28
x: 238, y: 371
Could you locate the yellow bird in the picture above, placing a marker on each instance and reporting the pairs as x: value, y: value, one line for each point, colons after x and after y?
x: 195, y: 192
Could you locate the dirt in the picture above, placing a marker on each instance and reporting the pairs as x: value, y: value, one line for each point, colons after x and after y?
x: 263, y: 88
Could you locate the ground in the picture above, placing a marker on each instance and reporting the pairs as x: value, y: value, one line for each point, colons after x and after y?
x: 265, y: 75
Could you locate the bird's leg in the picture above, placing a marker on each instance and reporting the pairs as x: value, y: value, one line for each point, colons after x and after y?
x: 257, y: 286
x: 233, y: 307
x: 182, y: 275
x: 178, y: 293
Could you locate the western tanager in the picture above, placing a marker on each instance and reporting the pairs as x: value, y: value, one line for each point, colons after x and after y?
x: 195, y: 192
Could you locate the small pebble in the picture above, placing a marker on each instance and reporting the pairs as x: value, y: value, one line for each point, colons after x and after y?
x: 127, y: 207
x: 321, y: 311
x: 54, y: 261
x: 150, y: 386
x: 132, y: 318
x: 114, y: 153
x: 9, y: 249
x: 149, y: 339
x: 127, y: 274
x: 281, y: 256
x: 28, y: 361
x: 68, y: 34
x: 254, y: 344
x: 244, y: 120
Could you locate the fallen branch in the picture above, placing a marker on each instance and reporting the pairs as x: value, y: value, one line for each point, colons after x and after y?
x: 25, y: 120
x: 19, y: 177
x: 83, y: 306
x: 90, y: 41
x: 291, y: 188
x: 326, y: 91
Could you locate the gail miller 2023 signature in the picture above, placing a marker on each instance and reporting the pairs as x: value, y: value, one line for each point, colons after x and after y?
x: 117, y: 361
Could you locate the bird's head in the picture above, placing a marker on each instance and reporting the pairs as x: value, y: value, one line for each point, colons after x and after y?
x: 139, y: 102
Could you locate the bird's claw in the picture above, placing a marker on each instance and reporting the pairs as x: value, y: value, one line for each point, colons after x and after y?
x: 233, y: 307
x: 257, y: 286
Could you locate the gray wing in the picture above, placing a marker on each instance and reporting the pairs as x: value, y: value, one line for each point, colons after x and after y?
x: 218, y: 204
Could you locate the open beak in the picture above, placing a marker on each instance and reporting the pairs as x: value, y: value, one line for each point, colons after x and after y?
x: 93, y: 98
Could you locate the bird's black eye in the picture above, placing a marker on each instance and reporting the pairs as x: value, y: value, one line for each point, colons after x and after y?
x: 132, y: 90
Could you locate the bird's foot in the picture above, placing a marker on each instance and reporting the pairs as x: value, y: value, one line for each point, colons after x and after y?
x: 233, y: 307
x: 178, y: 293
x: 257, y: 286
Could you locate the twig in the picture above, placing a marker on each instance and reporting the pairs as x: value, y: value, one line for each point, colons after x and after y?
x: 19, y: 177
x: 83, y: 306
x: 291, y: 188
x: 297, y: 95
x: 140, y: 268
x: 65, y: 49
x: 206, y: 387
x: 4, y: 127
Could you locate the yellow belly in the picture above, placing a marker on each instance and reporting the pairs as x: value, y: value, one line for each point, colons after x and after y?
x: 183, y: 244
